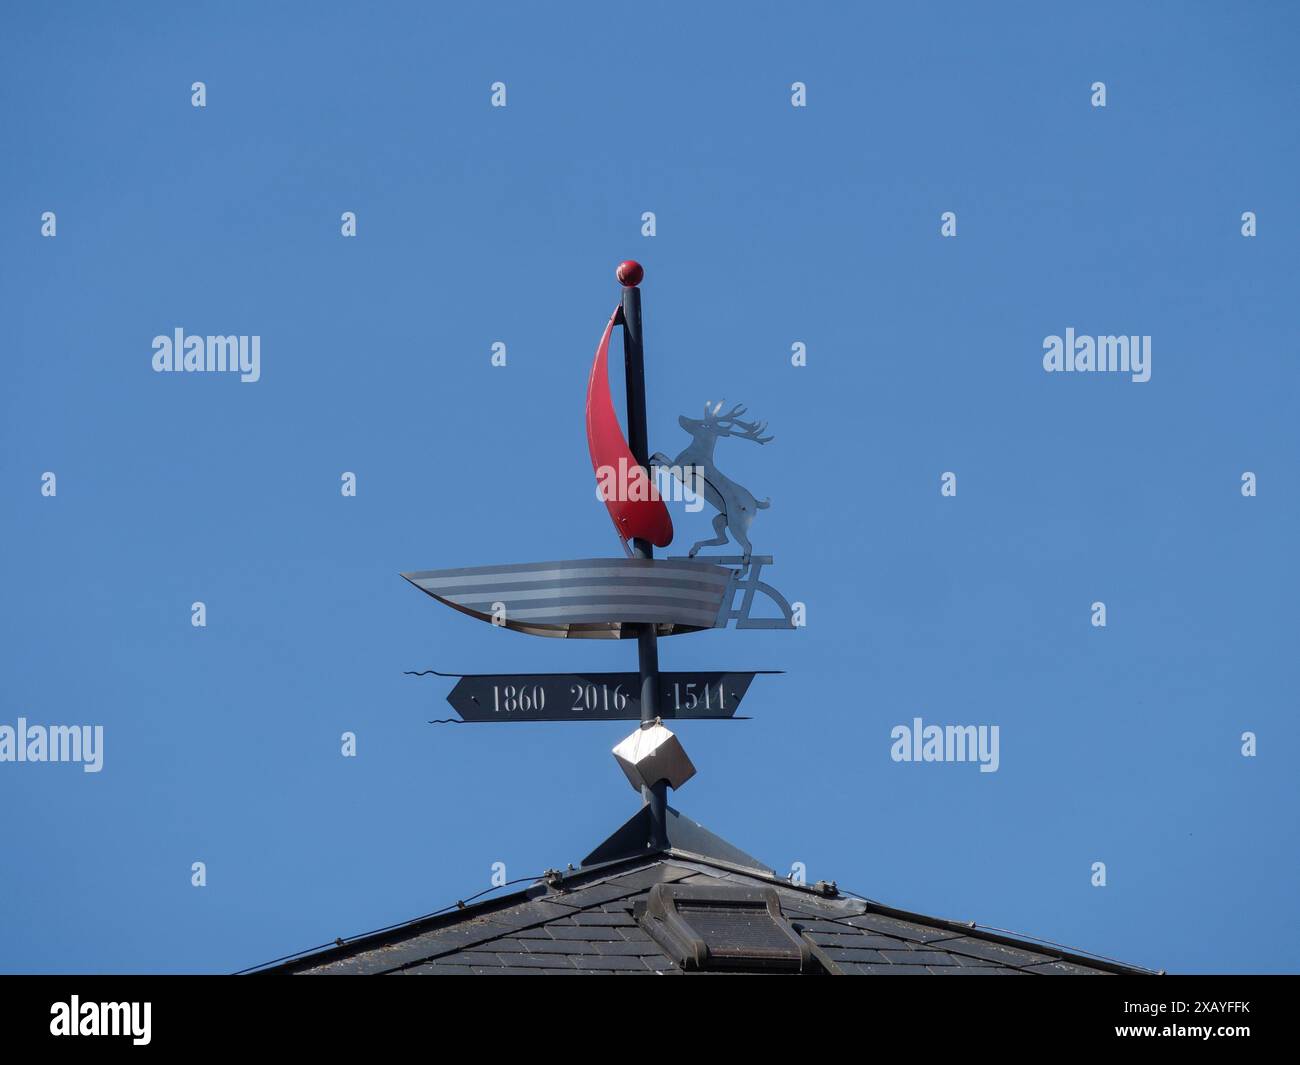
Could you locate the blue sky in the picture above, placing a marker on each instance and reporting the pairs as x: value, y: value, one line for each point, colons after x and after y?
x: 775, y: 224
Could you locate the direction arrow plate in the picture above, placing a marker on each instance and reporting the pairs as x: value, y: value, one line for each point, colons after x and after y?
x: 596, y: 696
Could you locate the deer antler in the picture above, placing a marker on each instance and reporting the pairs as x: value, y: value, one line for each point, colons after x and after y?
x: 754, y: 431
x: 748, y: 430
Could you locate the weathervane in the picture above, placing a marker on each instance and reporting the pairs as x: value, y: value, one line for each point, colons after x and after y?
x: 634, y: 597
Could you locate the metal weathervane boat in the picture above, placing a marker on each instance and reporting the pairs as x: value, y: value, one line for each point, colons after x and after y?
x: 609, y: 598
x: 636, y: 596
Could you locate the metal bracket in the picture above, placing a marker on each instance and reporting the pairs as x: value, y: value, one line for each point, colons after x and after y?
x: 744, y: 578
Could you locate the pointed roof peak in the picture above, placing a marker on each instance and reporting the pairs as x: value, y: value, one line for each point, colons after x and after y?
x: 685, y: 836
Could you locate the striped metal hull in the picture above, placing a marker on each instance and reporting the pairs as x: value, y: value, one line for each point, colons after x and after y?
x: 590, y: 598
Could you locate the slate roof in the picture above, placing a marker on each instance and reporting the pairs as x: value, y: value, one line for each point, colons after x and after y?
x: 586, y: 921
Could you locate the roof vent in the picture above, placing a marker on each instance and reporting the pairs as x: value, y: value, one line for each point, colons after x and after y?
x: 733, y: 928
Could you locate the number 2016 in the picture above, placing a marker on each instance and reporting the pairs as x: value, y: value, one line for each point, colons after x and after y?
x: 588, y: 698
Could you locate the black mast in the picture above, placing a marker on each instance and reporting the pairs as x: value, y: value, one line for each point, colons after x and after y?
x: 655, y: 796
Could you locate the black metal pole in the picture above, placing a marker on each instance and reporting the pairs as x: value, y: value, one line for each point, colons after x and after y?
x: 656, y: 796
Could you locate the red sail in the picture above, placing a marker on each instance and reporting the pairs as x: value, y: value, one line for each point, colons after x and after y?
x: 626, y: 488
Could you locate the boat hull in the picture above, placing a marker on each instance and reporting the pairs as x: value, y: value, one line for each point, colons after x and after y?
x: 591, y: 598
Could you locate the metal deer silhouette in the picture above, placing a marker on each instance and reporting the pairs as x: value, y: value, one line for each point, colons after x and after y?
x: 736, y: 505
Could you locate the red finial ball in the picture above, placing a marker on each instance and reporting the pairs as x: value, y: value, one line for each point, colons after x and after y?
x: 629, y: 273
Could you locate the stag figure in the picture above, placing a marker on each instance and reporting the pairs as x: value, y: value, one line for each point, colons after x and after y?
x: 736, y: 506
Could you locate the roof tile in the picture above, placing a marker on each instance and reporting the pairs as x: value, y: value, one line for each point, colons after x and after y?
x: 631, y: 950
x: 556, y: 946
x: 990, y: 950
x: 538, y: 961
x: 890, y: 926
x: 613, y: 961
